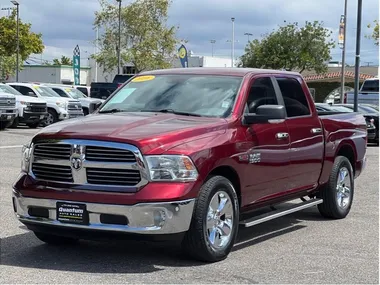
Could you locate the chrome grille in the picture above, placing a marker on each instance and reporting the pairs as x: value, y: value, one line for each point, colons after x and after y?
x: 103, y: 166
x: 52, y: 151
x: 96, y: 153
x: 7, y: 102
x: 58, y: 173
x: 74, y: 106
x: 113, y: 177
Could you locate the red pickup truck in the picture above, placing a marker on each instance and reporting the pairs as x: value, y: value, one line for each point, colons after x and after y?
x: 195, y: 153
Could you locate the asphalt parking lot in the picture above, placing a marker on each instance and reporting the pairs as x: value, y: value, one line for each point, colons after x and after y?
x: 300, y: 248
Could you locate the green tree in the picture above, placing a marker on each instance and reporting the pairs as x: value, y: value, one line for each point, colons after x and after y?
x: 30, y: 43
x: 146, y: 41
x: 375, y: 32
x: 291, y: 47
x: 63, y: 61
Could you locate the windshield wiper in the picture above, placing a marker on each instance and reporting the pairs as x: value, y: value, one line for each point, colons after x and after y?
x: 115, y: 110
x: 172, y: 112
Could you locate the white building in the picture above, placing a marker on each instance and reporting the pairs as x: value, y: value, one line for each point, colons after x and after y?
x: 65, y: 73
x: 52, y: 74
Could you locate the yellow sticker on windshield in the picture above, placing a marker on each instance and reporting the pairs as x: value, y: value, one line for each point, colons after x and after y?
x: 67, y: 89
x: 143, y: 78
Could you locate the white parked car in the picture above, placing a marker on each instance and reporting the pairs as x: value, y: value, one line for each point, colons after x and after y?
x: 58, y: 108
x: 29, y: 110
x: 67, y: 91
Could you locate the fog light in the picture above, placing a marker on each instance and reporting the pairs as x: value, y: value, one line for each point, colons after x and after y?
x: 159, y: 218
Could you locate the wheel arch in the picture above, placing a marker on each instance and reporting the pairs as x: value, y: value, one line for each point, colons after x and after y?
x: 231, y: 174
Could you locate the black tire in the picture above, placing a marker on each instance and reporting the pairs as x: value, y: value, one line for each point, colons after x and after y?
x: 55, y: 240
x: 330, y: 208
x: 33, y: 125
x: 15, y: 123
x: 52, y: 115
x: 3, y: 125
x: 196, y: 243
x: 85, y: 111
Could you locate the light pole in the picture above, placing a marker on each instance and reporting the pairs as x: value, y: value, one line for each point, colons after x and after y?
x: 119, y: 40
x: 343, y: 53
x: 14, y: 2
x: 248, y: 34
x: 212, y: 47
x: 357, y: 55
x: 233, y: 42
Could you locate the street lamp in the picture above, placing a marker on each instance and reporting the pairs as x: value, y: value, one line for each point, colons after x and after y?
x: 119, y: 40
x: 212, y: 47
x: 357, y: 53
x: 248, y: 34
x: 17, y: 37
x: 233, y: 42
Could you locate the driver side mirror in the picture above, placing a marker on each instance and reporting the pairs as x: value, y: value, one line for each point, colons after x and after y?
x: 95, y: 106
x: 30, y: 93
x: 264, y: 113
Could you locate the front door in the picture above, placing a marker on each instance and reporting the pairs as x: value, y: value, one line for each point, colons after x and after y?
x: 268, y: 146
x: 306, y: 136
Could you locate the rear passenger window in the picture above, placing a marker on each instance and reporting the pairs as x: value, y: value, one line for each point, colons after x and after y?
x: 261, y: 93
x: 294, y: 98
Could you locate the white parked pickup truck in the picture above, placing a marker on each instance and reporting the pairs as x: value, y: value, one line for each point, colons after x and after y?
x: 58, y: 108
x: 7, y: 109
x: 68, y: 91
x: 30, y: 111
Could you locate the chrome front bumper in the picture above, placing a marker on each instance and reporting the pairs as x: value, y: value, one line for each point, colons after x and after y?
x: 144, y: 218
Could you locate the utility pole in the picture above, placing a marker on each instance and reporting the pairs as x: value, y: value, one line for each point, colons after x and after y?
x: 357, y: 55
x: 342, y: 78
x: 119, y: 40
x: 233, y: 42
x: 248, y: 34
x: 212, y: 47
x: 14, y: 2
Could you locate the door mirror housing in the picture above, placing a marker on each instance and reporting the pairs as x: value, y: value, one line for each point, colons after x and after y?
x: 264, y: 113
x: 30, y: 93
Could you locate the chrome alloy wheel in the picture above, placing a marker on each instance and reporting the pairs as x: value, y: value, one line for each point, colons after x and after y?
x: 49, y: 119
x: 220, y: 219
x: 343, y: 188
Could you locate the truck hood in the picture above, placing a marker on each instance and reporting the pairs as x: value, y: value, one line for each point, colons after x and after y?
x: 6, y: 95
x: 29, y: 99
x: 151, y: 132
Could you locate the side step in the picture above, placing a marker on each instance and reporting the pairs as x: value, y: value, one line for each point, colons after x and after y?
x: 279, y: 213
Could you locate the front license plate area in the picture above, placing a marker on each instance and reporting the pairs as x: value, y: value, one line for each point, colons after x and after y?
x: 72, y: 213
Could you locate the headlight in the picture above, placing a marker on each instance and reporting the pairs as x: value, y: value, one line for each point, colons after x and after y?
x: 61, y: 105
x: 24, y: 103
x: 171, y: 168
x: 25, y: 157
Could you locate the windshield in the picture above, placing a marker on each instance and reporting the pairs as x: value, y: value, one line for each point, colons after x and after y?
x: 46, y: 91
x: 9, y: 89
x: 74, y: 93
x: 202, y: 95
x: 370, y: 85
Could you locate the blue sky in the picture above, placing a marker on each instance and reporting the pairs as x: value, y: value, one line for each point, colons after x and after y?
x: 65, y: 25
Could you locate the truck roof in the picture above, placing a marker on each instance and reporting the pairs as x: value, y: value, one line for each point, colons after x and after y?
x: 234, y: 71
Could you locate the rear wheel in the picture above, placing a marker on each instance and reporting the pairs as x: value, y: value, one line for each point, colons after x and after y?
x: 215, y: 221
x: 3, y: 125
x: 55, y: 240
x: 15, y: 123
x: 338, y: 193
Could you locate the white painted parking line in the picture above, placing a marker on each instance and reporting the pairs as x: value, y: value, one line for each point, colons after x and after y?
x: 11, y: 146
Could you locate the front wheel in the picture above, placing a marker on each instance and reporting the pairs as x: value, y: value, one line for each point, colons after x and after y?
x: 338, y: 193
x: 215, y: 221
x: 33, y: 125
x: 51, y: 118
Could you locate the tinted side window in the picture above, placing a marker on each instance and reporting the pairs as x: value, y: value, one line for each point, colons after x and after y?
x: 261, y: 92
x: 24, y: 90
x: 295, y: 99
x: 83, y: 90
x: 60, y: 92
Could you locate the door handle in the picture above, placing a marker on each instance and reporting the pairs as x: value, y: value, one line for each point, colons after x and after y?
x: 281, y: 136
x: 316, y: 130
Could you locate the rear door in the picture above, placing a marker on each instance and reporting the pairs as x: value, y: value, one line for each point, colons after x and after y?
x: 305, y: 132
x: 266, y: 173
